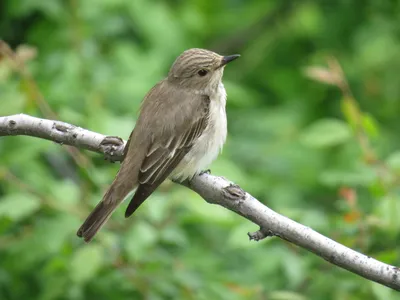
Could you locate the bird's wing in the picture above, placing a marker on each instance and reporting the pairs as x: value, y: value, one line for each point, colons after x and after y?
x: 169, y: 147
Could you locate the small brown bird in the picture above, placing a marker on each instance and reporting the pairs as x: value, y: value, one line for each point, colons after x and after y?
x: 180, y: 130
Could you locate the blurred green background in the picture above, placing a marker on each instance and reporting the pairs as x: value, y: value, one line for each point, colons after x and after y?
x: 312, y: 148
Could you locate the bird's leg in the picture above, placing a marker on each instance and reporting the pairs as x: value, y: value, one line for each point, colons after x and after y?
x: 111, y: 145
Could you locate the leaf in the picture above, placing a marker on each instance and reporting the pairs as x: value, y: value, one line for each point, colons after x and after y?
x: 314, y: 218
x: 357, y: 177
x: 174, y: 235
x: 25, y: 53
x: 86, y: 262
x: 393, y: 161
x: 321, y: 74
x: 389, y: 210
x: 285, y: 295
x: 65, y: 192
x: 139, y: 240
x: 326, y: 133
x: 18, y: 206
x: 370, y: 126
x: 200, y: 211
x: 12, y: 102
x: 158, y: 211
x: 307, y: 18
x: 381, y: 292
x: 47, y: 239
x: 52, y: 233
x: 351, y: 111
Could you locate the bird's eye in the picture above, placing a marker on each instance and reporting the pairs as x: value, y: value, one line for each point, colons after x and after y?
x: 202, y: 72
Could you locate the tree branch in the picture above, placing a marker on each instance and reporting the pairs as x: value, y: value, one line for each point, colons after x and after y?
x: 216, y: 190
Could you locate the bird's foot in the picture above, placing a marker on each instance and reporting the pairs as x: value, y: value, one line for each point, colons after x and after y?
x: 208, y: 171
x: 113, y: 148
x: 188, y: 181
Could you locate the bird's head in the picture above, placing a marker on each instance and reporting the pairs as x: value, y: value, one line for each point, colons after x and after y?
x: 199, y: 70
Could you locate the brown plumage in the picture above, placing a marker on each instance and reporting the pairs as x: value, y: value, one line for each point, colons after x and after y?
x: 181, y: 127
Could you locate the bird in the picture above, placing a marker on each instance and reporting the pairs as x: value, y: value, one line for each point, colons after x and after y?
x: 180, y: 130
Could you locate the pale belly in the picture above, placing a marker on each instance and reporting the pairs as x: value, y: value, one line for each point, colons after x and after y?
x: 209, y: 144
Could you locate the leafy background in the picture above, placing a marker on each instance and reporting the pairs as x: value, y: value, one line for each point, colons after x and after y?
x: 313, y: 133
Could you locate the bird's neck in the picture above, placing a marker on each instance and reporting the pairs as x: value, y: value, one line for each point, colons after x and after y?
x: 210, y: 89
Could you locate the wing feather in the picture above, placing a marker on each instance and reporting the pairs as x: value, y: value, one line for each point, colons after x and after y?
x: 165, y: 154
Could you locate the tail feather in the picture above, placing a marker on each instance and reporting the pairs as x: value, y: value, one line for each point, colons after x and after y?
x: 125, y: 182
x: 96, y: 220
x: 102, y: 212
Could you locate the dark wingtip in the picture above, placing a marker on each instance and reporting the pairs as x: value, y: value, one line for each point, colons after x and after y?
x: 130, y: 209
x: 141, y: 194
x: 88, y: 239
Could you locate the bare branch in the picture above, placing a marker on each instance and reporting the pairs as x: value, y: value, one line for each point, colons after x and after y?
x: 62, y: 133
x: 216, y: 190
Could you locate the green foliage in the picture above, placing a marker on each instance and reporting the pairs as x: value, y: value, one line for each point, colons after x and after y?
x: 320, y: 146
x: 326, y: 133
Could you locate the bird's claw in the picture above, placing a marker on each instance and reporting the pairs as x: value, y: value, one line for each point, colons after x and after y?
x: 113, y: 147
x: 208, y: 171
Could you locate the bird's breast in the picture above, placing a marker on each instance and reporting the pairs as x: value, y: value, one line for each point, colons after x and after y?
x: 209, y: 144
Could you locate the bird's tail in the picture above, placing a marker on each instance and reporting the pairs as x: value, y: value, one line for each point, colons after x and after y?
x: 102, y: 212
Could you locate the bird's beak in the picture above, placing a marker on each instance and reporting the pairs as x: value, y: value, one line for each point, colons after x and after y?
x: 228, y: 59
